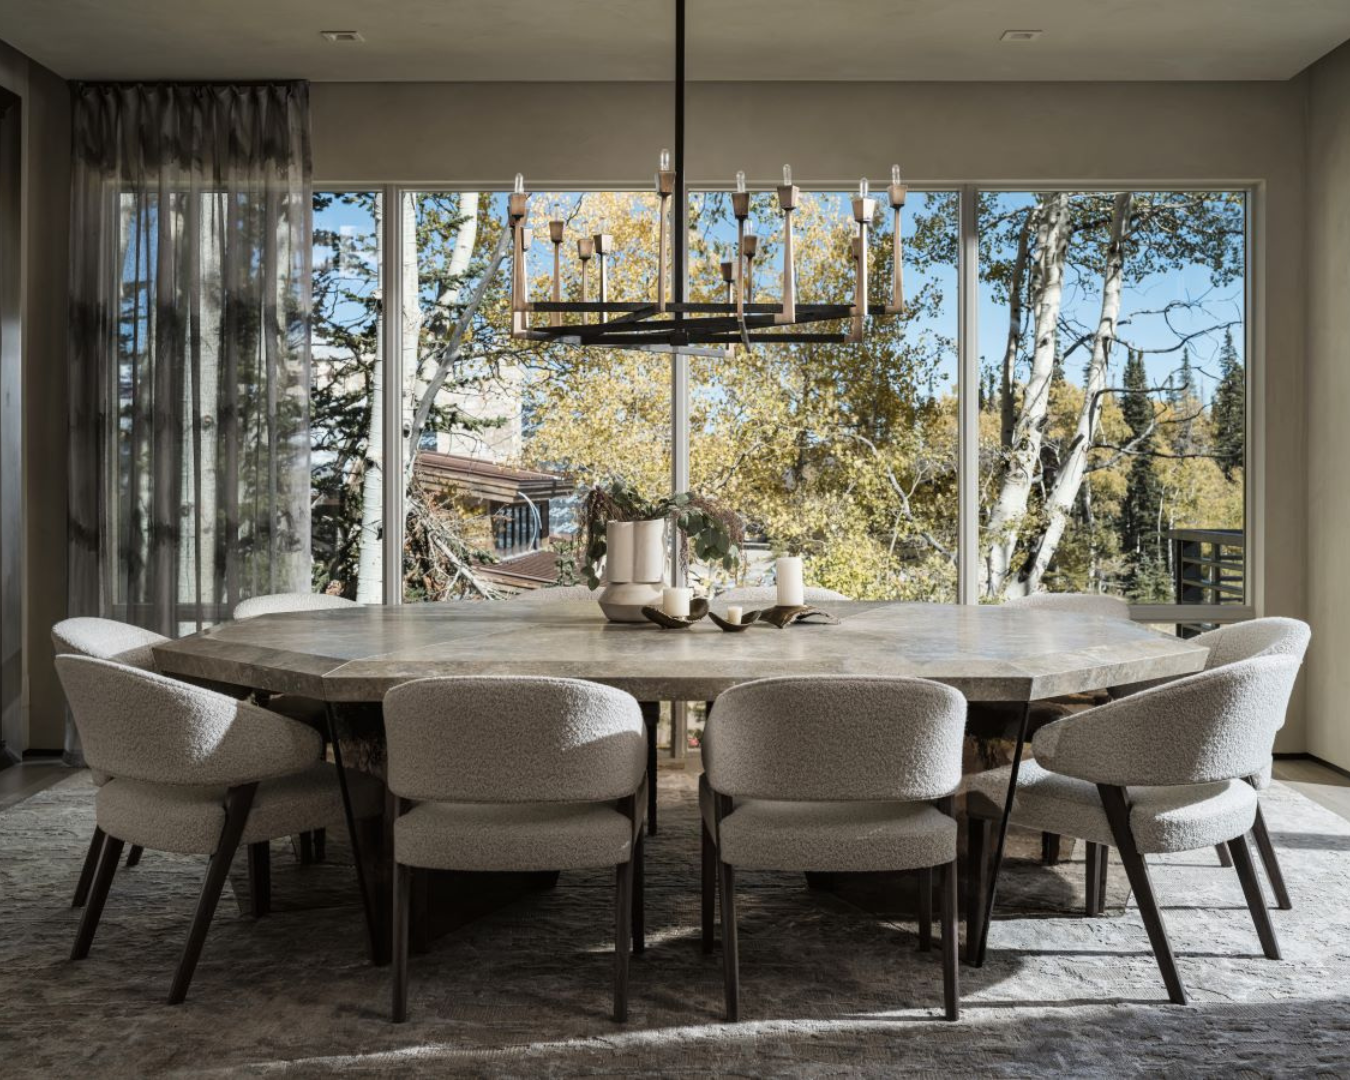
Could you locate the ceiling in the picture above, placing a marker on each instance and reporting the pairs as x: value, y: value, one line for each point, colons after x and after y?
x: 534, y: 40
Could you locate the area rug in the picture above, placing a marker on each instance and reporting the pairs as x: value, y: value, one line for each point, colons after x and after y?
x: 828, y: 988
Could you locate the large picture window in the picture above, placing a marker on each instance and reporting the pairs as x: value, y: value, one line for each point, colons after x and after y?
x: 1108, y: 377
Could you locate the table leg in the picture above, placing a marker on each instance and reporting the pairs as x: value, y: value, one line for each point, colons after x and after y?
x: 372, y: 923
x: 651, y: 716
x: 978, y: 953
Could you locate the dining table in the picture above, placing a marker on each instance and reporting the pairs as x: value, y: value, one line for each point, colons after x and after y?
x: 348, y: 658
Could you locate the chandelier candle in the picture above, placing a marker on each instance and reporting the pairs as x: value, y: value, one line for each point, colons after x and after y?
x: 585, y: 249
x: 791, y: 590
x: 556, y: 232
x: 863, y: 209
x: 787, y: 202
x: 897, y: 192
x: 604, y: 245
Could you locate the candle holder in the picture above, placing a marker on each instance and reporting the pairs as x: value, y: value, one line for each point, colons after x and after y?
x: 783, y: 617
x: 747, y: 620
x: 698, y: 608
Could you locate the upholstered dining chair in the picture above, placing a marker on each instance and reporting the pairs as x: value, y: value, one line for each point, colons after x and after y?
x: 194, y: 772
x: 557, y: 594
x: 517, y: 774
x: 307, y: 711
x: 846, y: 773
x: 1161, y: 771
x: 1102, y: 605
x: 104, y: 639
x: 276, y: 603
x: 768, y: 594
x: 1271, y: 636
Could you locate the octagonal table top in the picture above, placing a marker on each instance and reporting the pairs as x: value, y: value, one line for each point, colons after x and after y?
x: 988, y: 653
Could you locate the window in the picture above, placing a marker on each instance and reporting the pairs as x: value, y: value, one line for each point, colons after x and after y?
x: 506, y: 430
x: 1113, y: 394
x: 345, y: 396
x: 1109, y: 381
x: 843, y: 453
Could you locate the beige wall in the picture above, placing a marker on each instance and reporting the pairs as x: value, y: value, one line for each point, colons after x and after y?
x: 45, y: 241
x: 1146, y: 133
x: 1328, y: 240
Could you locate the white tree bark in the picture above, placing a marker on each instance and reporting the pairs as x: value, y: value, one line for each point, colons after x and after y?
x: 1073, y: 464
x: 1009, y: 510
x: 370, y: 562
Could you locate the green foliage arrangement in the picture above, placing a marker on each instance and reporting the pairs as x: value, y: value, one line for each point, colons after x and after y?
x: 714, y: 533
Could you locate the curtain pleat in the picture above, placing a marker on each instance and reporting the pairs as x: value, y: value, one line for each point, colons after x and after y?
x: 189, y: 350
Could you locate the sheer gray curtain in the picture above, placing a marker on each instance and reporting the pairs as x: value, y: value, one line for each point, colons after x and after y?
x: 189, y: 352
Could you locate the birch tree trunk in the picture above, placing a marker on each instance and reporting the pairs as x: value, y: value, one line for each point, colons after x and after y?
x: 1007, y: 404
x: 1073, y: 464
x: 370, y: 563
x: 1009, y: 510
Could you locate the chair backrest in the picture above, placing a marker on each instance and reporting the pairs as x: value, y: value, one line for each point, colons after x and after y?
x: 1256, y: 637
x: 1219, y: 724
x: 836, y: 738
x: 508, y: 739
x: 273, y: 603
x: 107, y: 639
x: 141, y: 726
x: 1099, y: 604
x: 768, y: 594
x: 558, y: 594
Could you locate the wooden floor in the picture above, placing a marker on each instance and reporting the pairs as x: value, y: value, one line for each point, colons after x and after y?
x: 20, y: 781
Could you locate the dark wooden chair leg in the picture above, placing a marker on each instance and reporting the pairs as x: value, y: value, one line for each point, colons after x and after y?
x: 87, y: 871
x: 1271, y: 863
x: 1256, y: 900
x: 1222, y: 851
x: 238, y: 802
x: 134, y: 855
x: 360, y: 851
x: 419, y: 929
x: 1050, y: 844
x: 709, y: 898
x: 978, y: 833
x: 402, y: 903
x: 731, y: 971
x: 623, y: 935
x: 651, y: 716
x: 1103, y: 866
x: 98, y: 895
x: 260, y: 878
x: 1092, y: 879
x: 320, y: 845
x: 306, y: 848
x: 1118, y: 813
x: 639, y: 896
x: 926, y: 909
x: 951, y: 984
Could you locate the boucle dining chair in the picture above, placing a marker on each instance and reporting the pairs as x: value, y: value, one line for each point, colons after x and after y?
x: 1272, y: 636
x: 517, y: 774
x: 768, y: 594
x: 837, y: 773
x: 307, y: 711
x: 1162, y: 771
x: 104, y: 639
x: 194, y: 772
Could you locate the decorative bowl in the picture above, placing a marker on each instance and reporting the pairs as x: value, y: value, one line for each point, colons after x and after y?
x: 731, y: 627
x: 697, y: 609
x: 783, y: 617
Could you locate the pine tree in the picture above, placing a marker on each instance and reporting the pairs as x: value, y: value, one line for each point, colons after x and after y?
x: 1184, y: 386
x: 1140, y: 539
x: 1229, y: 410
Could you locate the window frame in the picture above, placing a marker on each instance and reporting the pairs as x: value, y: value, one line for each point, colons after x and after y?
x: 967, y: 454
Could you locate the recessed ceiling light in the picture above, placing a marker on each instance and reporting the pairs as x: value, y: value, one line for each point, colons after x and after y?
x: 1021, y: 35
x: 343, y: 37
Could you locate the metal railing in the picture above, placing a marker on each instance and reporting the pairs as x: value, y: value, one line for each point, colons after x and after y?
x: 1209, y: 566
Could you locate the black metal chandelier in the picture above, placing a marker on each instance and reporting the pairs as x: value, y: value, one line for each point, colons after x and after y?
x: 667, y: 324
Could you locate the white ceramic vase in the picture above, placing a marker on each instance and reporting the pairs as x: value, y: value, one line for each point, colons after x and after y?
x: 635, y: 569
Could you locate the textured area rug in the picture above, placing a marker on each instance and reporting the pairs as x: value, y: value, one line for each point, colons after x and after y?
x: 828, y: 988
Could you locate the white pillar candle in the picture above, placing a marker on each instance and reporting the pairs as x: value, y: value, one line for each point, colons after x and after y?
x: 675, y: 602
x: 649, y: 550
x: 791, y: 591
x: 619, y: 551
x: 734, y: 614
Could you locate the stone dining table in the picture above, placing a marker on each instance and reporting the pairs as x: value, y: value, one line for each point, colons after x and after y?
x: 348, y: 656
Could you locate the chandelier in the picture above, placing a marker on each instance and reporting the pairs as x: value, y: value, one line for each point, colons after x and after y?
x: 671, y: 322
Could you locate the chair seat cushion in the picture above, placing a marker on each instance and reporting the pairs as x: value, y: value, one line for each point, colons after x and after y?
x: 174, y: 817
x: 1162, y: 819
x: 513, y: 836
x: 760, y: 834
